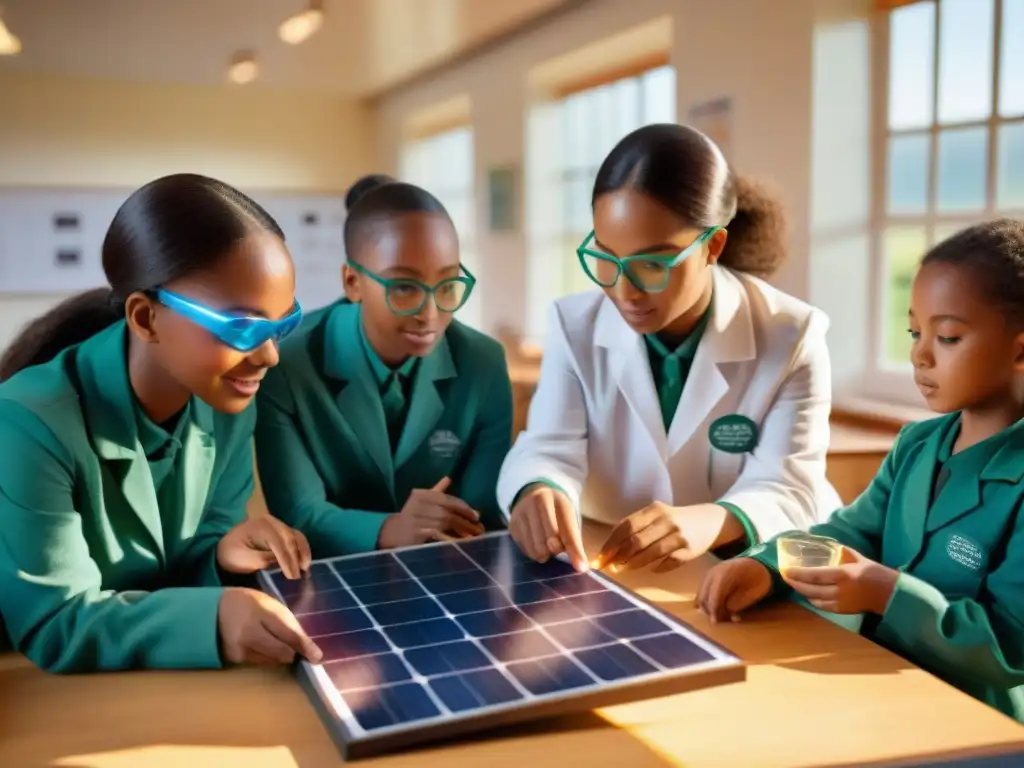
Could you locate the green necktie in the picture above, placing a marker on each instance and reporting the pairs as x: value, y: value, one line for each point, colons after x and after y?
x: 671, y: 389
x: 393, y: 400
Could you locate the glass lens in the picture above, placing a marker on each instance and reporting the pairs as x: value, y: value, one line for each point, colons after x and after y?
x: 405, y: 297
x: 450, y: 294
x: 603, y: 270
x: 648, y: 275
x: 287, y: 324
x: 244, y: 333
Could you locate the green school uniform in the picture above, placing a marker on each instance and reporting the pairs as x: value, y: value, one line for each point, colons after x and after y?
x: 394, y: 387
x: 109, y: 523
x: 671, y: 367
x: 325, y: 459
x: 951, y: 526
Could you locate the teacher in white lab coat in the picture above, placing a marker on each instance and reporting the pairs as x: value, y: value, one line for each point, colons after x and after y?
x: 687, y: 401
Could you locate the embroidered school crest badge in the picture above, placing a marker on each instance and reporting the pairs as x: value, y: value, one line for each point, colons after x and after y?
x: 967, y: 553
x: 444, y: 444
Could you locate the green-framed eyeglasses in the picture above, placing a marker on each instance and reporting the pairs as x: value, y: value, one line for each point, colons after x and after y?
x: 406, y: 296
x: 649, y: 273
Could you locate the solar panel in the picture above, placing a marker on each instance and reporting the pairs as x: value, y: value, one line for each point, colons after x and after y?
x: 433, y: 641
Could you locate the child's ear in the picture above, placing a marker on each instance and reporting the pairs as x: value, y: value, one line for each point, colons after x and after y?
x: 350, y: 282
x: 716, y: 244
x: 140, y: 314
x: 1018, y: 353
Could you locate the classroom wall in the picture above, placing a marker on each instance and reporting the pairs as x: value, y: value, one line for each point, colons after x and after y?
x: 61, y: 132
x: 766, y: 55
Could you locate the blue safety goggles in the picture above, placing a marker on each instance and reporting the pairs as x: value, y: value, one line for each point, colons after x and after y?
x: 244, y: 333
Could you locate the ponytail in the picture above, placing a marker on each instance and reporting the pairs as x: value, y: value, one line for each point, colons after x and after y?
x: 758, y: 233
x: 71, y: 322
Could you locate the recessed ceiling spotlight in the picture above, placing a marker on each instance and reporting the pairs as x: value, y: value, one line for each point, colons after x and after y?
x: 10, y: 45
x: 243, y: 68
x: 304, y: 25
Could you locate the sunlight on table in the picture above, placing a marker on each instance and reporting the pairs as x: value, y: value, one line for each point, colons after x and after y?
x: 664, y: 597
x: 174, y: 756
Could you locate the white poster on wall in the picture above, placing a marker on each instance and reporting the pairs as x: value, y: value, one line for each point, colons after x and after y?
x: 715, y: 120
x: 51, y: 239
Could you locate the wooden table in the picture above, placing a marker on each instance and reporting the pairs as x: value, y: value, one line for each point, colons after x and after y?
x: 816, y: 695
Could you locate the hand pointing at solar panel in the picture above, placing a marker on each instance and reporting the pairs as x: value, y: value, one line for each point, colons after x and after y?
x: 544, y: 524
x: 254, y: 628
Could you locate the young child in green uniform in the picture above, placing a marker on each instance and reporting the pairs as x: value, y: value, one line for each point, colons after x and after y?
x: 933, y: 551
x: 387, y: 421
x: 126, y: 420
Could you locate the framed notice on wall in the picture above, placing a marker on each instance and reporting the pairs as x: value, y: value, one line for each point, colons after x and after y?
x: 715, y: 120
x: 503, y: 198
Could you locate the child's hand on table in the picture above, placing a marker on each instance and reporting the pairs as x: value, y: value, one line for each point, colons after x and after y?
x: 261, y: 542
x: 430, y: 515
x: 731, y: 587
x: 666, y: 535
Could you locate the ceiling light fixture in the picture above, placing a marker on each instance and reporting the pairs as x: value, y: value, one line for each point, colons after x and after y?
x: 244, y: 68
x: 9, y: 44
x: 302, y: 26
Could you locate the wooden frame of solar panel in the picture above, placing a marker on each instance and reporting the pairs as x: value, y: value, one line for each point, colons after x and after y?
x: 354, y: 741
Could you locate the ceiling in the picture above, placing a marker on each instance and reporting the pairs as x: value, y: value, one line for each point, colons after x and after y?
x: 363, y: 48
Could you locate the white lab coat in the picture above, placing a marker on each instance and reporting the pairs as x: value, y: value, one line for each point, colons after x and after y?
x: 595, y: 426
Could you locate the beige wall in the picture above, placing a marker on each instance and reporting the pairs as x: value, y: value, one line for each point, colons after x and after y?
x: 59, y: 132
x: 765, y: 54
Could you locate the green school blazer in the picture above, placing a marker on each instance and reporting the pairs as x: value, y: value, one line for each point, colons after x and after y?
x: 94, y: 575
x: 958, y: 607
x: 322, y: 446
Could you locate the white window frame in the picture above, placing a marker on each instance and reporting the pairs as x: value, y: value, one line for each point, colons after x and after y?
x: 884, y: 380
x: 448, y: 193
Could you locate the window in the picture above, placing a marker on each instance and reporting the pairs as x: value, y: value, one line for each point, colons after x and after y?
x: 443, y: 164
x: 954, y: 145
x: 568, y: 140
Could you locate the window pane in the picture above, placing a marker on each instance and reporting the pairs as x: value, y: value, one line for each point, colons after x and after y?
x: 903, y: 248
x: 460, y: 210
x: 602, y: 117
x: 1011, y: 75
x: 459, y: 160
x: 441, y: 160
x: 414, y: 163
x: 908, y: 173
x: 1010, y: 167
x: 946, y: 231
x: 659, y: 95
x: 626, y: 108
x: 966, y: 39
x: 578, y: 218
x: 575, y: 126
x: 575, y: 280
x: 911, y: 65
x: 963, y: 164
